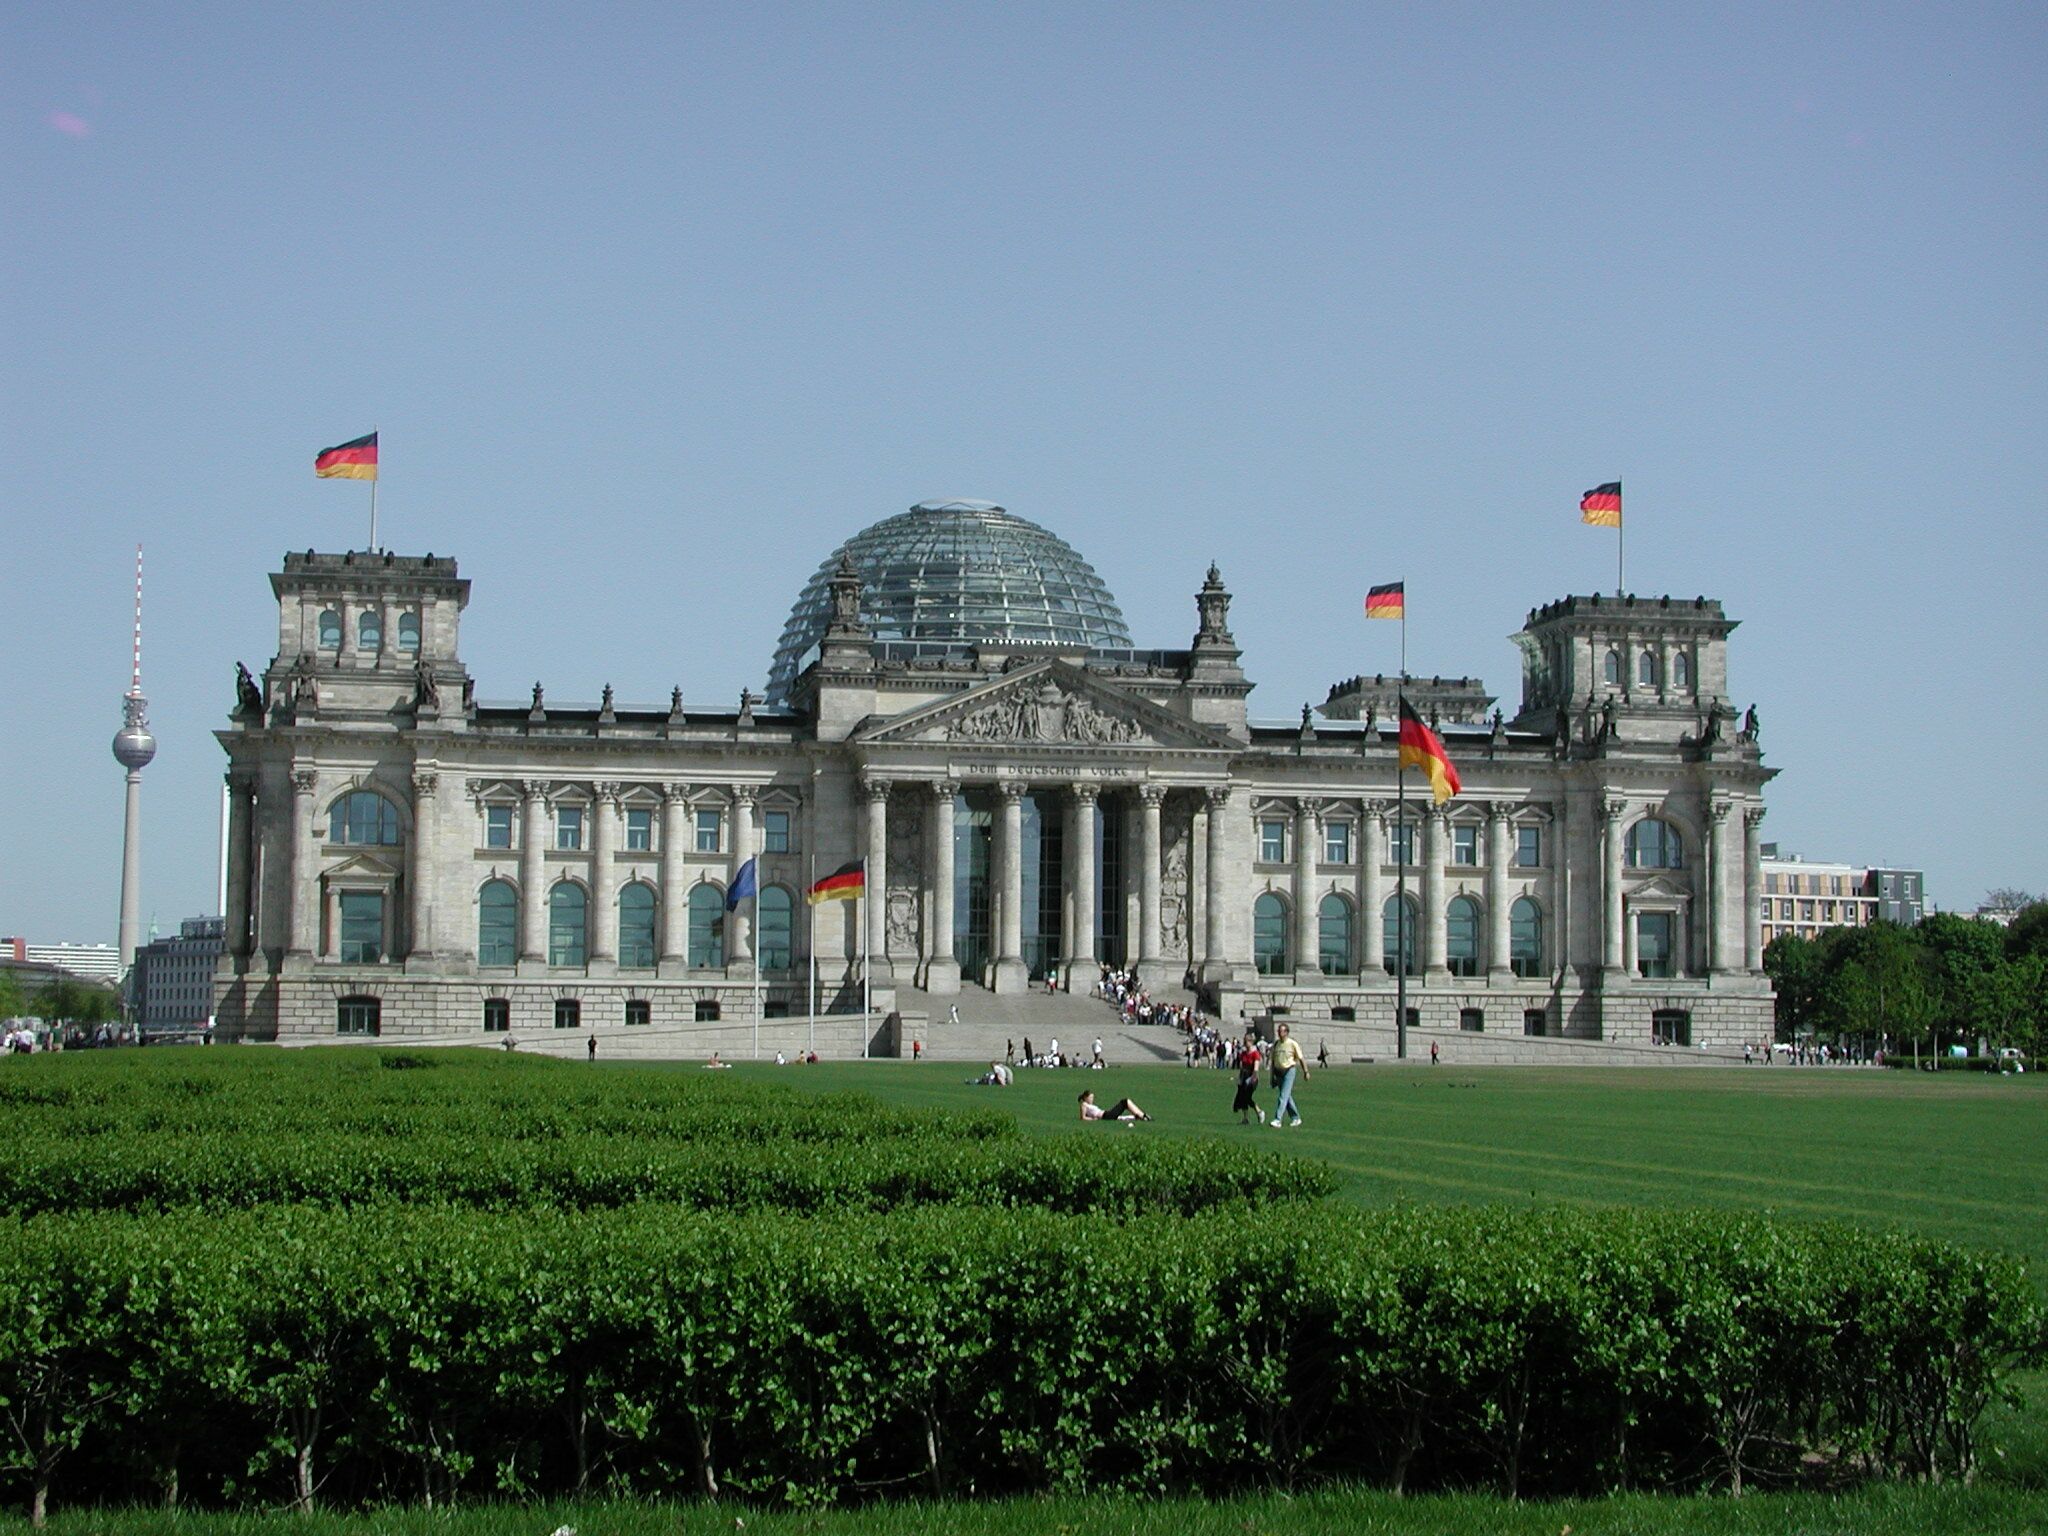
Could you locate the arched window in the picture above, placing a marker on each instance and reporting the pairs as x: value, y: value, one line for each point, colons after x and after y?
x: 497, y: 924
x: 363, y: 816
x: 1654, y: 844
x: 636, y: 925
x: 1525, y: 938
x: 1269, y: 935
x: 1399, y: 934
x: 1681, y: 671
x: 1333, y: 931
x: 408, y: 632
x: 1646, y: 669
x: 707, y: 927
x: 1612, y: 668
x: 773, y: 929
x: 1461, y: 936
x: 330, y: 630
x: 369, y: 631
x: 568, y: 907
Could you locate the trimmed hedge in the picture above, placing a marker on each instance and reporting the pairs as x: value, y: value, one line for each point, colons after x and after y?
x: 397, y: 1354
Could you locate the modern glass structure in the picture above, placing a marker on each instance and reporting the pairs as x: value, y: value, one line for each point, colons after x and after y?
x: 951, y: 573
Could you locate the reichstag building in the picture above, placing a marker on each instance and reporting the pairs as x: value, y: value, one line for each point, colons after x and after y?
x: 956, y: 699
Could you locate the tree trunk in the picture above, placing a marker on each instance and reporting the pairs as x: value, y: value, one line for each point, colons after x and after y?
x: 1411, y: 1442
x: 39, y: 1501
x: 707, y: 1477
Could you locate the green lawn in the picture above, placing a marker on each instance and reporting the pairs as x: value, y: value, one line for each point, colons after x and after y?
x: 1959, y: 1156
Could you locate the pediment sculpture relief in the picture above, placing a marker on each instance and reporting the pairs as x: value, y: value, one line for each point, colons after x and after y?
x: 1048, y: 713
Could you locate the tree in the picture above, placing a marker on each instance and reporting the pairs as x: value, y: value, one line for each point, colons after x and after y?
x: 2006, y: 898
x: 1883, y: 986
x: 1798, y: 972
x: 2027, y: 934
x: 13, y: 996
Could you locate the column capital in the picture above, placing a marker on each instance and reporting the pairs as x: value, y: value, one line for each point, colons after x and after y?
x: 1012, y: 791
x: 1086, y: 793
x: 1152, y: 794
x: 675, y: 793
x: 1498, y: 810
x: 1218, y: 796
x: 1717, y: 810
x: 875, y: 789
x: 305, y: 781
x: 743, y: 795
x: 531, y: 790
x: 944, y: 790
x: 240, y: 781
x: 605, y: 791
x: 1613, y: 810
x: 1436, y: 815
x: 1753, y: 817
x: 1310, y: 806
x: 1376, y: 810
x: 425, y: 781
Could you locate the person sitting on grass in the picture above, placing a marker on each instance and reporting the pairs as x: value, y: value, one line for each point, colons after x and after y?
x: 1125, y: 1110
x: 997, y: 1076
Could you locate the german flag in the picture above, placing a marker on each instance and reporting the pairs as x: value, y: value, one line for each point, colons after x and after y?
x: 1421, y: 749
x: 355, y: 460
x: 1387, y: 602
x: 1602, y: 505
x: 846, y: 883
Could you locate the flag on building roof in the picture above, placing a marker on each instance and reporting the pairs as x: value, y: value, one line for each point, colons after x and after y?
x: 744, y: 884
x: 1420, y: 748
x: 1602, y: 505
x: 356, y: 460
x: 846, y: 883
x: 1387, y: 602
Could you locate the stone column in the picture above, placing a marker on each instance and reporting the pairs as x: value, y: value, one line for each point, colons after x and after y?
x: 533, y: 873
x: 675, y: 907
x: 1011, y: 974
x: 305, y: 882
x: 1372, y: 898
x: 1719, y: 937
x: 739, y: 922
x: 1752, y: 889
x: 604, y: 894
x: 1216, y: 964
x: 241, y: 790
x: 420, y: 866
x: 1151, y: 964
x: 1612, y: 958
x: 1435, y: 832
x: 1498, y: 969
x: 1081, y: 880
x: 942, y: 971
x: 875, y: 846
x: 1307, y: 966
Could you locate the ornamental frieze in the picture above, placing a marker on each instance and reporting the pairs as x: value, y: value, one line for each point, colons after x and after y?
x: 1049, y: 713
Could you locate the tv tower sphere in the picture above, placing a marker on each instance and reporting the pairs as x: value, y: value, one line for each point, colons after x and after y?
x: 134, y: 746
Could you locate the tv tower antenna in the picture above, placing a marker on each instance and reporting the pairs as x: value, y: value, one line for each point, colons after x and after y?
x: 134, y: 746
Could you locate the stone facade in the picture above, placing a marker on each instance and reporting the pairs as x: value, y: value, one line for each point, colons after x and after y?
x: 405, y: 860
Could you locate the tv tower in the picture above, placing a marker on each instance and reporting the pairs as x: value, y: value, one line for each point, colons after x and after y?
x: 133, y: 748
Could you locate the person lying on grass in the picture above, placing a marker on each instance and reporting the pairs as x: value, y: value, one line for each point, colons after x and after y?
x: 1125, y: 1110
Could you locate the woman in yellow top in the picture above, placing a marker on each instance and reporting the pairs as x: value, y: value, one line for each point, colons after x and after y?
x: 1288, y: 1064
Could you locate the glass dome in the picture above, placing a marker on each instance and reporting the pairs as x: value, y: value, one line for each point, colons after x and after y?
x: 956, y: 572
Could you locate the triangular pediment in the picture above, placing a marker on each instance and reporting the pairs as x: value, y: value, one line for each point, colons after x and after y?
x: 1048, y: 704
x: 1661, y: 885
x: 363, y: 865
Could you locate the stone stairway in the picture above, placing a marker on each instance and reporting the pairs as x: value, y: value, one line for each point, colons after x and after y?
x: 988, y: 1023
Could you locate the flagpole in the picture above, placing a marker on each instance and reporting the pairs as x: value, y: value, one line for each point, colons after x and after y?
x: 1405, y: 850
x: 756, y: 937
x: 812, y: 1037
x: 373, y: 492
x: 867, y: 991
x: 1620, y: 549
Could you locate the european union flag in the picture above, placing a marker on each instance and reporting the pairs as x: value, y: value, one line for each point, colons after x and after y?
x: 743, y: 885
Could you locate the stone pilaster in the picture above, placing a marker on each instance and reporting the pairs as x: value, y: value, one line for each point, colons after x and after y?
x: 1011, y: 974
x: 675, y: 907
x: 604, y: 885
x: 1435, y: 923
x: 739, y: 922
x: 1753, y: 890
x: 942, y: 970
x: 419, y: 875
x: 1216, y: 962
x: 1372, y: 888
x: 305, y: 877
x: 1152, y: 966
x: 1498, y: 969
x: 875, y: 795
x: 1081, y: 861
x: 1307, y: 821
x: 1613, y: 960
x: 240, y: 930
x: 533, y: 875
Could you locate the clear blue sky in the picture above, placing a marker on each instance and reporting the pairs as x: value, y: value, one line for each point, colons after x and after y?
x: 654, y: 304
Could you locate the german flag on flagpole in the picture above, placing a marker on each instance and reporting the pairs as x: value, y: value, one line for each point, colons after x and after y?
x: 1420, y: 748
x: 1387, y: 602
x: 1602, y: 505
x: 355, y: 460
x: 846, y: 883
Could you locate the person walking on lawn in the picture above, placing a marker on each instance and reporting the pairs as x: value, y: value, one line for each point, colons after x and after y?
x: 1289, y: 1067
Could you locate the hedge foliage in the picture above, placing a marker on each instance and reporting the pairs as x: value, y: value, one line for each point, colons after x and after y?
x: 398, y: 1354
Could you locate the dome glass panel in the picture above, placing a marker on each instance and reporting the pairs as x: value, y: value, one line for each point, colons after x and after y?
x: 956, y: 572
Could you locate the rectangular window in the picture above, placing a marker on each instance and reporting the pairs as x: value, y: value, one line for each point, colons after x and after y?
x: 497, y: 826
x: 1272, y: 842
x: 1827, y: 911
x: 1343, y: 1014
x: 772, y: 1009
x: 362, y: 927
x: 497, y: 1015
x: 358, y: 1016
x: 1472, y: 1020
x: 1402, y: 835
x: 1336, y: 842
x: 1671, y: 1026
x: 1533, y: 1021
x: 639, y: 831
x: 1465, y: 845
x: 1656, y: 938
x: 639, y: 1011
x: 568, y: 1013
x: 1528, y: 847
x: 1806, y: 911
x: 707, y: 831
x: 775, y: 832
x: 569, y: 828
x: 707, y: 1011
